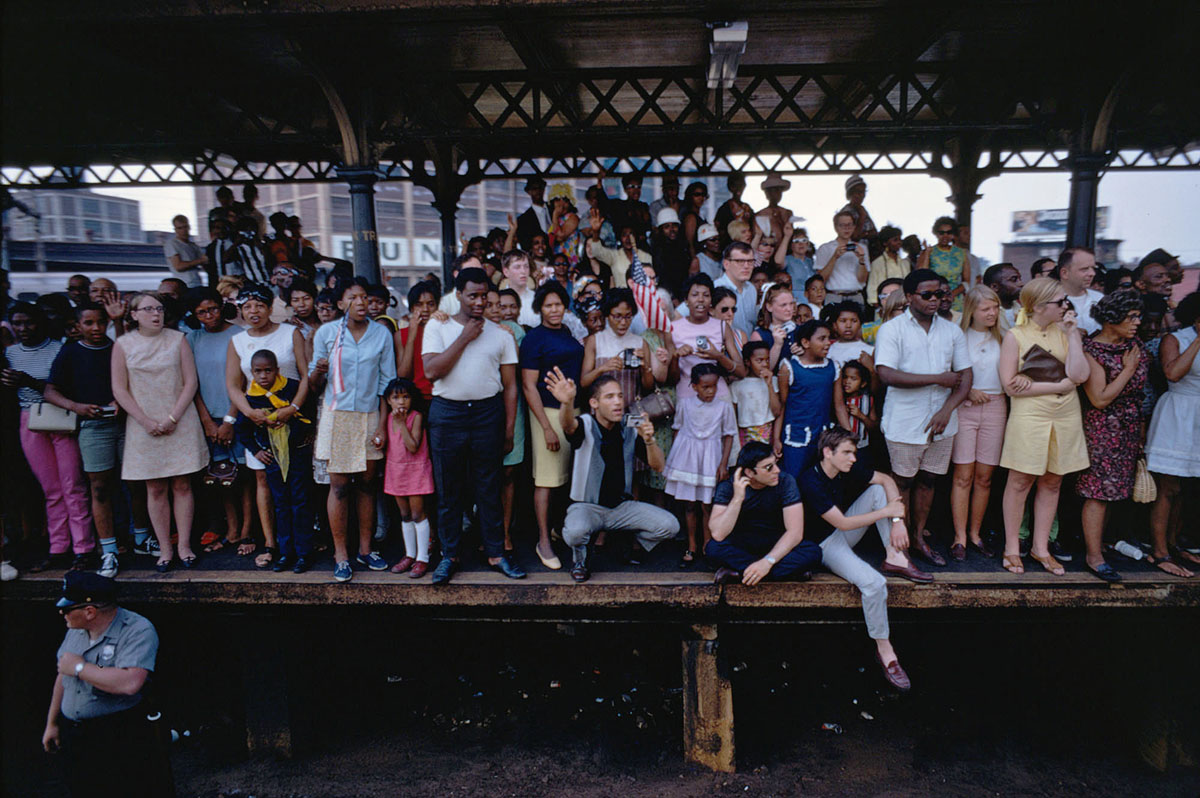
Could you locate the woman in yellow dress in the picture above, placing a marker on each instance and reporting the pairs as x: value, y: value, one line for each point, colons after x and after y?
x: 1041, y: 363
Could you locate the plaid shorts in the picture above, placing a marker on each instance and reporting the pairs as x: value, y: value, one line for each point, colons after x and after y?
x: 909, y: 458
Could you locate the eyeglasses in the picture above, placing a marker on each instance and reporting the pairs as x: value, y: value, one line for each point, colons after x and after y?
x: 928, y: 295
x: 207, y: 311
x: 1062, y: 303
x: 945, y: 232
x: 769, y: 467
x: 741, y: 260
x: 621, y: 316
x: 150, y: 309
x: 65, y: 611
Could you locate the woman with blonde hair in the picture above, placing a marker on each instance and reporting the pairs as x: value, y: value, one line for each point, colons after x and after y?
x: 981, y: 421
x: 893, y: 305
x: 1041, y: 363
x: 776, y: 322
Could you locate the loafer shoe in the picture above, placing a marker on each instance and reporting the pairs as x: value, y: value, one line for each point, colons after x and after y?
x: 403, y: 565
x: 282, y: 563
x: 894, y: 674
x: 418, y: 570
x: 445, y: 569
x: 726, y: 576
x: 922, y: 549
x: 958, y: 552
x: 302, y: 565
x: 509, y: 568
x: 1106, y: 572
x: 909, y: 572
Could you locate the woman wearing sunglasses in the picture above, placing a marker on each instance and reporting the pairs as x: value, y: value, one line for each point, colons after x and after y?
x: 1041, y: 363
x: 948, y: 260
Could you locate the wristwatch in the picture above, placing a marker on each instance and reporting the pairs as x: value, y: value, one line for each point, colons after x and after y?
x: 770, y: 559
x: 897, y: 519
x: 79, y: 667
x: 230, y: 419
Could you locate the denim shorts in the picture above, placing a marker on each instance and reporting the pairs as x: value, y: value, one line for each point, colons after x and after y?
x: 101, y: 443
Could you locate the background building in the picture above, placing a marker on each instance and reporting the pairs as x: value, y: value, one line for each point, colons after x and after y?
x: 1043, y: 234
x: 76, y: 215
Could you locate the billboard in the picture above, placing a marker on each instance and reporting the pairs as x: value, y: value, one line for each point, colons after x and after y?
x: 395, y: 251
x: 1051, y: 224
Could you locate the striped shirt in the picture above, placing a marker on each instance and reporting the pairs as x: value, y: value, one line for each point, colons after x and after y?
x: 254, y: 263
x: 35, y: 361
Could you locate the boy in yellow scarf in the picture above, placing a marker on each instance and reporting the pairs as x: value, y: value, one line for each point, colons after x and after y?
x: 284, y: 448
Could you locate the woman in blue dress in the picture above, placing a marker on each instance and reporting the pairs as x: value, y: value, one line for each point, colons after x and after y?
x: 807, y: 387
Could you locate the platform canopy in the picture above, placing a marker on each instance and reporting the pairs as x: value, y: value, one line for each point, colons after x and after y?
x: 216, y: 90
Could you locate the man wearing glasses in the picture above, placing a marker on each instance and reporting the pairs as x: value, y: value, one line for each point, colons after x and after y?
x: 842, y: 262
x: 738, y: 262
x: 923, y: 359
x: 757, y: 523
x: 97, y: 715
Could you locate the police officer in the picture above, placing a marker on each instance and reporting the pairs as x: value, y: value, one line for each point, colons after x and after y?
x: 97, y: 715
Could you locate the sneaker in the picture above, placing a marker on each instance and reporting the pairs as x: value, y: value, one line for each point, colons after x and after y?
x: 8, y: 572
x: 373, y: 561
x: 108, y: 565
x: 1058, y: 552
x: 148, y: 546
x: 342, y: 572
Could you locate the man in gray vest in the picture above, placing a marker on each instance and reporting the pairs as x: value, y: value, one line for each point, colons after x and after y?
x: 602, y: 475
x: 97, y: 713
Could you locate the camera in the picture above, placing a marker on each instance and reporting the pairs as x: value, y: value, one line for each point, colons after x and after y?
x: 630, y: 359
x: 702, y: 343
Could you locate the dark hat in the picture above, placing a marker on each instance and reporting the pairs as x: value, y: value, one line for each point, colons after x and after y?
x: 670, y: 180
x: 535, y: 182
x: 85, y: 587
x: 1159, y: 256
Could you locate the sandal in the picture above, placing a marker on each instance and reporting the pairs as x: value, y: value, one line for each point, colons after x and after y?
x: 1105, y: 571
x: 1178, y: 554
x: 267, y: 557
x: 687, y: 559
x: 209, y: 538
x: 1012, y: 563
x: 1159, y: 562
x: 1050, y: 564
x: 219, y: 545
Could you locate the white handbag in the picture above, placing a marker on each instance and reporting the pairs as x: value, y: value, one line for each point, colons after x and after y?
x: 45, y: 417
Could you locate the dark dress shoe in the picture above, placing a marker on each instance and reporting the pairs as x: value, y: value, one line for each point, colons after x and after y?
x: 921, y: 549
x: 445, y: 569
x: 282, y: 563
x: 505, y: 566
x: 909, y: 572
x: 1105, y: 572
x: 726, y: 576
x: 418, y: 570
x: 302, y: 565
x: 958, y: 552
x: 981, y: 548
x: 894, y: 674
x: 580, y: 572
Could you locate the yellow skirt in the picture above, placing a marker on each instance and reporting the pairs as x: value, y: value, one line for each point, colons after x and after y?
x: 1044, y: 434
x: 345, y: 439
x: 550, y: 469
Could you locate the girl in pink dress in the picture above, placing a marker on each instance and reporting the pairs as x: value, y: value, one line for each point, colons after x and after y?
x: 408, y: 474
x: 698, y: 457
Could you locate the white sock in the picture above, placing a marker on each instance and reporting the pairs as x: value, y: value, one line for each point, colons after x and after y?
x: 410, y: 537
x: 422, y: 528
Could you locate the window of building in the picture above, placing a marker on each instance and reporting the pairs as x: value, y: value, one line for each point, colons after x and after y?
x: 91, y: 207
x: 67, y: 205
x: 93, y: 230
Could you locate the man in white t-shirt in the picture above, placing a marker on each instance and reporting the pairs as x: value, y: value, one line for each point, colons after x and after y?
x: 842, y: 263
x: 184, y: 256
x: 1076, y: 268
x: 472, y: 363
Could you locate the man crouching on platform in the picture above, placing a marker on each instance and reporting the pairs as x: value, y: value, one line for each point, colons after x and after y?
x: 602, y: 475
x: 758, y: 523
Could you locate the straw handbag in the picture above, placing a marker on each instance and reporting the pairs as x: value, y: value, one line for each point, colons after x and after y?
x: 1144, y: 489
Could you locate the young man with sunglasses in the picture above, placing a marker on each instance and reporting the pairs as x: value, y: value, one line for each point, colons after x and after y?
x: 923, y: 359
x: 97, y: 714
x: 757, y: 523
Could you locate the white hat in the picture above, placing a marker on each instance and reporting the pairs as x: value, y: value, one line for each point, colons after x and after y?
x: 854, y: 180
x: 666, y: 216
x: 775, y: 181
x: 706, y: 232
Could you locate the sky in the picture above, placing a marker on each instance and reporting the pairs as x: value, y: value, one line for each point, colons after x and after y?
x: 1148, y: 209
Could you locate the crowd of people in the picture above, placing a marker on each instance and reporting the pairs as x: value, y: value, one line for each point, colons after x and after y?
x: 642, y: 368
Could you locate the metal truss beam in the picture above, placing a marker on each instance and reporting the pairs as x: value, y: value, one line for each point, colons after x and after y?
x: 864, y: 156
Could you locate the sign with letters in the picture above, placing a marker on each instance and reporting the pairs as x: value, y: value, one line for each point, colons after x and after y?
x: 395, y: 251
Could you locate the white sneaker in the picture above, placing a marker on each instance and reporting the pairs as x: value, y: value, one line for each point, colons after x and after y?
x: 8, y: 571
x: 108, y: 565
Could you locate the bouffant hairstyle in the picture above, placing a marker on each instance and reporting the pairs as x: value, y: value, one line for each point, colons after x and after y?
x: 1114, y: 307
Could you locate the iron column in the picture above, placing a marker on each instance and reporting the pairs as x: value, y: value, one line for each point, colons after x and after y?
x: 362, y: 214
x: 1085, y: 187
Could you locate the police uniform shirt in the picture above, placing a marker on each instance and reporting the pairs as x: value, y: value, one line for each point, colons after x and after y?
x: 129, y: 642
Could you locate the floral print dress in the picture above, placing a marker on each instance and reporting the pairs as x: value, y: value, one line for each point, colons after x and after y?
x: 1114, y: 434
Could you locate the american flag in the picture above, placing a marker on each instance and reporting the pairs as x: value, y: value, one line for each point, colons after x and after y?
x: 657, y: 317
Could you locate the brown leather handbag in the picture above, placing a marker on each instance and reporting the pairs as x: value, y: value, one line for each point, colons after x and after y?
x: 656, y: 406
x: 1041, y: 366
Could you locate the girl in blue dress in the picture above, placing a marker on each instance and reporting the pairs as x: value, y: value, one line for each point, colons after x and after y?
x: 807, y: 383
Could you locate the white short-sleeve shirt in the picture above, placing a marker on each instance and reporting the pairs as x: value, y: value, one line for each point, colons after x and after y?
x: 844, y: 276
x: 476, y: 375
x: 902, y: 344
